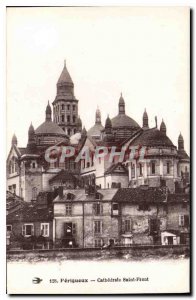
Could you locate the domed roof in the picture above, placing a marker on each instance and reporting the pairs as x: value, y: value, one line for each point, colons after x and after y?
x: 122, y: 120
x: 48, y: 127
x: 152, y: 137
x: 95, y: 130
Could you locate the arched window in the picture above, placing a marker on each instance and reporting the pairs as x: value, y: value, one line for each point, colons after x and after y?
x: 34, y: 193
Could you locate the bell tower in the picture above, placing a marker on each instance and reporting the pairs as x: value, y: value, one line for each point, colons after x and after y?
x: 65, y: 105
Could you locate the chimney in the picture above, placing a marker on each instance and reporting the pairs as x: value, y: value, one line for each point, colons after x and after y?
x: 60, y: 191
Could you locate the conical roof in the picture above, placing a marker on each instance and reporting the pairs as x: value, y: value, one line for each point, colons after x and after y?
x: 14, y: 140
x: 65, y: 76
x: 163, y: 127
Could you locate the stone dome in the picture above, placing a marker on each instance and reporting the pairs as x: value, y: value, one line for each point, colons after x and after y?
x: 152, y: 138
x: 122, y: 120
x: 95, y: 130
x: 48, y: 127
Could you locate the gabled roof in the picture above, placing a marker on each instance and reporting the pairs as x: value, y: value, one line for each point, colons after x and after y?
x: 63, y: 175
x: 114, y: 167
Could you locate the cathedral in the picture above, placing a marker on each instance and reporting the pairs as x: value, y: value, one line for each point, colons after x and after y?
x: 29, y: 174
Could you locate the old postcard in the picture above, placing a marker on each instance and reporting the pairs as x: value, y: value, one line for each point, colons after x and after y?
x: 98, y: 164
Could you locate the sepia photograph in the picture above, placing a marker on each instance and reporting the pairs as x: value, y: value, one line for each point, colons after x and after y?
x: 98, y: 150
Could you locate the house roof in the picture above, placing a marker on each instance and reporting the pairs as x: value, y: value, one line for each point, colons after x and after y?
x: 80, y: 195
x: 140, y: 195
x: 179, y: 198
x: 30, y: 213
x: 63, y: 175
x: 113, y: 167
x: 12, y: 201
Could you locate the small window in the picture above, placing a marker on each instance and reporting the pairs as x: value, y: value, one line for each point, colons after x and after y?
x: 28, y: 230
x: 115, y: 206
x: 74, y: 130
x: 98, y: 243
x: 45, y: 229
x: 168, y: 168
x: 183, y: 220
x: 62, y: 118
x: 98, y: 209
x: 9, y: 228
x: 62, y: 106
x: 69, y: 196
x: 153, y: 167
x: 33, y: 165
x: 68, y: 107
x: 97, y: 196
x: 140, y: 170
x: 68, y: 209
x: 69, y: 131
x: 115, y: 209
x: 74, y: 119
x: 34, y: 193
x: 68, y: 119
x: 97, y: 227
x: 127, y: 225
x: 133, y: 171
x: 74, y: 108
x: 74, y: 228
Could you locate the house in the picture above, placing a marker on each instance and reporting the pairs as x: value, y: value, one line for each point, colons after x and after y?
x: 30, y: 225
x: 84, y: 218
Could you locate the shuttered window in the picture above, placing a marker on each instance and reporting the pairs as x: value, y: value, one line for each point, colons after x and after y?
x: 28, y: 230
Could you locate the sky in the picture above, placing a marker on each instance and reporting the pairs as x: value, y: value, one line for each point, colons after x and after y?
x: 141, y: 52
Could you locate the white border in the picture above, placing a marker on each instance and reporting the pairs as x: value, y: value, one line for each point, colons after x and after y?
x: 3, y: 4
